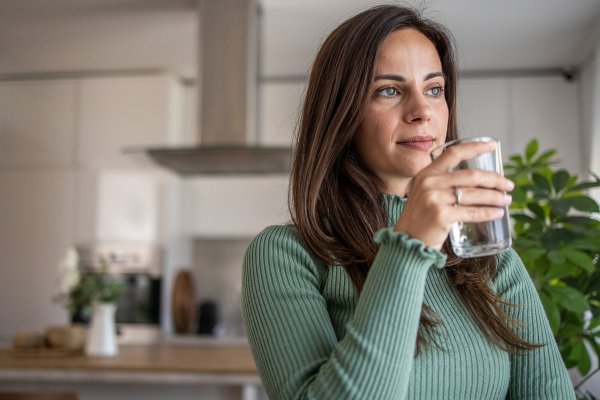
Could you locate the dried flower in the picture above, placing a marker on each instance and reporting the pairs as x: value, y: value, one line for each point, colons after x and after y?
x: 68, y: 271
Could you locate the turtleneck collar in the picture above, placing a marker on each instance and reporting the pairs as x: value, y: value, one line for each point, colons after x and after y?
x: 394, y: 205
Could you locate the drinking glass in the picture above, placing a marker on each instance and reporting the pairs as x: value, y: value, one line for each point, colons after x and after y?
x: 476, y: 239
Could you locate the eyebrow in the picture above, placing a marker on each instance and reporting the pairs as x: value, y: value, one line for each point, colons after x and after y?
x: 400, y: 78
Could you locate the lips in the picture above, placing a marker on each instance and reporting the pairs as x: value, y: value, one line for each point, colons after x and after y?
x: 418, y: 142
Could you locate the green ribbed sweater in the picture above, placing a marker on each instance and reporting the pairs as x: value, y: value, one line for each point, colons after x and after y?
x: 313, y: 338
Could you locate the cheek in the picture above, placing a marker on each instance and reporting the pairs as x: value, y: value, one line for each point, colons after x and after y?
x: 444, y: 114
x: 442, y: 121
x: 379, y: 125
x: 369, y: 138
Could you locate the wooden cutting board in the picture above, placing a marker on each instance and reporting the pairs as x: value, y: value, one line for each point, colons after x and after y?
x: 183, y: 305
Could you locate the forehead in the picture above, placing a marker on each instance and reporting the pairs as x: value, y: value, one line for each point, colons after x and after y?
x: 407, y: 49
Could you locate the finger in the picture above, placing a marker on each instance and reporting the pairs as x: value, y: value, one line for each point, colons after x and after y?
x: 454, y: 154
x: 477, y: 214
x: 466, y: 178
x: 472, y: 177
x: 477, y: 197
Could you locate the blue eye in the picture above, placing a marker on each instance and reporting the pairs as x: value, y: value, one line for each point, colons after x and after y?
x: 436, y: 91
x: 389, y: 91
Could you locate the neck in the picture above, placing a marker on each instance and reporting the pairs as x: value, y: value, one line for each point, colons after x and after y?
x: 398, y: 186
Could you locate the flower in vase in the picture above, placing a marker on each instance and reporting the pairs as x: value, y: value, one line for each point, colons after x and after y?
x: 79, y: 288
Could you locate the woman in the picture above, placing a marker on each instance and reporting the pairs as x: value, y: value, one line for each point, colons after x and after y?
x: 361, y: 297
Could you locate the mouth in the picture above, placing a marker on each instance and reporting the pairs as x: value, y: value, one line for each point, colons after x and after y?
x: 418, y: 142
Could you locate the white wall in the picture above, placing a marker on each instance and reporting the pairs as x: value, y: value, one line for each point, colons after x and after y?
x: 589, y: 83
x: 98, y: 36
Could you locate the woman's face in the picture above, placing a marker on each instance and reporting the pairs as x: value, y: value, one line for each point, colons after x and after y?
x: 407, y: 114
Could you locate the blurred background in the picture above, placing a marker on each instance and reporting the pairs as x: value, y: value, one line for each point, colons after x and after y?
x: 155, y: 134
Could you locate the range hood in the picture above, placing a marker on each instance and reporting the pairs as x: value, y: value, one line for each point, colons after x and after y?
x: 227, y: 98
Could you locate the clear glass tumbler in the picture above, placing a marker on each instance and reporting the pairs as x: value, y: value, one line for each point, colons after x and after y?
x: 480, y: 238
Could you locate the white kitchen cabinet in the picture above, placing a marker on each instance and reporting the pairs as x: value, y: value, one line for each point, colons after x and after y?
x: 120, y: 205
x: 35, y: 231
x: 38, y: 124
x: 121, y: 197
x: 130, y: 111
x: 222, y: 207
x: 519, y: 109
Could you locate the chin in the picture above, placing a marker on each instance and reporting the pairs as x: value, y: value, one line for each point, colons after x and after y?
x: 413, y: 168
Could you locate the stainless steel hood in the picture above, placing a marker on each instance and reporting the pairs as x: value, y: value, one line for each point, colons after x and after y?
x: 230, y: 159
x: 227, y: 98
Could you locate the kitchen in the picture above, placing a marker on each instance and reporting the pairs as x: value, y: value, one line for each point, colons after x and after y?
x: 84, y: 89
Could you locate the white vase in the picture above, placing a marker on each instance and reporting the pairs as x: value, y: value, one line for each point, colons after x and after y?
x: 102, y: 337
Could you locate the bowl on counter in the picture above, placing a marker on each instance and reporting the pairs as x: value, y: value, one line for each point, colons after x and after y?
x: 68, y: 337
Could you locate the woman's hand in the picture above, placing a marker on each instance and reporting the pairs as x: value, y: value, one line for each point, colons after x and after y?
x: 431, y: 207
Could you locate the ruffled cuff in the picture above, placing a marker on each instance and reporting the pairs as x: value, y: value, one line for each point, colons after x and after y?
x: 390, y: 236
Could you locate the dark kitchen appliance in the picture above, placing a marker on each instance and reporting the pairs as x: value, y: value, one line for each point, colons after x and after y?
x: 139, y: 269
x: 208, y: 318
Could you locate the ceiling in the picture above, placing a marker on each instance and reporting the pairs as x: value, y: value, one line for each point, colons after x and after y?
x: 75, y: 35
x: 491, y: 34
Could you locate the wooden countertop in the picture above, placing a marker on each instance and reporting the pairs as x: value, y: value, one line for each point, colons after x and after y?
x: 133, y: 362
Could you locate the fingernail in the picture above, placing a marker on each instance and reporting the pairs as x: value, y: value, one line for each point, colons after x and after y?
x: 511, y: 184
x: 507, y: 198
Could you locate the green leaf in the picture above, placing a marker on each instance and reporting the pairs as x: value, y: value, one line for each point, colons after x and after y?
x: 517, y: 159
x: 541, y: 181
x: 531, y: 149
x: 582, y: 357
x: 593, y: 342
x: 537, y: 210
x: 580, y: 259
x: 556, y: 257
x: 568, y: 297
x: 560, y: 207
x: 543, y: 159
x: 560, y: 179
x: 585, y: 185
x: 560, y: 271
x: 532, y: 253
x: 586, y: 244
x: 552, y: 238
x: 552, y: 312
x: 583, y: 203
x: 579, y: 220
x: 533, y: 188
x: 519, y: 228
x: 519, y: 196
x: 528, y: 242
x: 594, y: 323
x: 526, y: 219
x: 572, y: 181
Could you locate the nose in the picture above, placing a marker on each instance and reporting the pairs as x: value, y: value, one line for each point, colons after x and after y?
x: 417, y: 109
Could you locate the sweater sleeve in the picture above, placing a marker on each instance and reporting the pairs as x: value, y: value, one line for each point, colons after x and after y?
x: 292, y: 337
x: 539, y: 374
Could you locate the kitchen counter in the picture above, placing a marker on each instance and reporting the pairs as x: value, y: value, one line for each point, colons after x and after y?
x: 159, y: 364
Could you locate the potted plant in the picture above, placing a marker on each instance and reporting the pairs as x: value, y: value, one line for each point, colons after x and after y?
x: 91, y: 294
x: 79, y: 287
x: 556, y: 231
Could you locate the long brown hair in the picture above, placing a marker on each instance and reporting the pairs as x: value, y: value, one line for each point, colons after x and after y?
x: 332, y: 191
